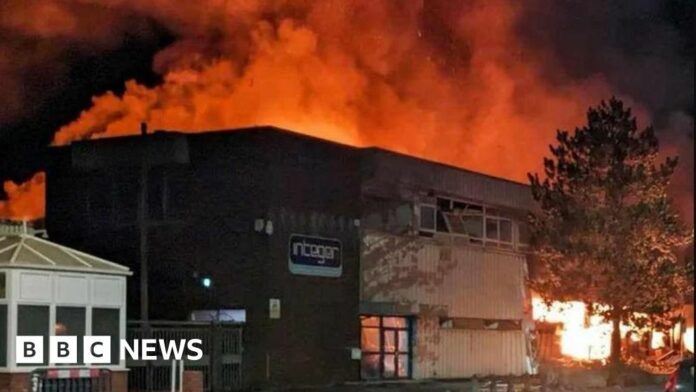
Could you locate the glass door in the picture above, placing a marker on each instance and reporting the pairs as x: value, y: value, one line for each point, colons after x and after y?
x: 386, y: 347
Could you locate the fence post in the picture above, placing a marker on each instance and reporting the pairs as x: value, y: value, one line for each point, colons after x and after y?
x: 173, y: 376
x: 181, y: 375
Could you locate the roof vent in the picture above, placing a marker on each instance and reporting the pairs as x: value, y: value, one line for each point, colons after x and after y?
x: 9, y: 227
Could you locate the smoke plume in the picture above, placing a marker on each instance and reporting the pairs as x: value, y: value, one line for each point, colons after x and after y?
x: 478, y: 84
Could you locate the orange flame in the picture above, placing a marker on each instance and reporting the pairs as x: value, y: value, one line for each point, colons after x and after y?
x: 589, y: 338
x: 580, y: 338
x: 452, y: 84
x: 689, y: 339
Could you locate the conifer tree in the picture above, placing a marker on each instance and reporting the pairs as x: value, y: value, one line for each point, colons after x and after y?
x: 606, y: 232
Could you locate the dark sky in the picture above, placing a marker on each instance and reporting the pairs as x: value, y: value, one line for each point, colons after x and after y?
x: 643, y: 47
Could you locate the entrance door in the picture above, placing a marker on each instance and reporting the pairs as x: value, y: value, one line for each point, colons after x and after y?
x: 386, y: 347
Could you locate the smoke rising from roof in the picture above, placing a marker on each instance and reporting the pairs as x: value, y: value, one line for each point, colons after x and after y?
x: 480, y: 84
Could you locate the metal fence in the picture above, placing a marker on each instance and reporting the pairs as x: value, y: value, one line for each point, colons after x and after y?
x: 221, y: 364
x: 71, y: 380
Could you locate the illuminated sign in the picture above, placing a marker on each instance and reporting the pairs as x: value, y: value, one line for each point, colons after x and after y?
x: 315, y: 256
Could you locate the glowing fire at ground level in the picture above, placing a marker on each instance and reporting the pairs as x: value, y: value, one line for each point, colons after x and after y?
x: 584, y: 337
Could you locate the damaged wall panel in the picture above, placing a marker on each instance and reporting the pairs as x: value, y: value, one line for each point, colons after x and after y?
x: 468, y: 281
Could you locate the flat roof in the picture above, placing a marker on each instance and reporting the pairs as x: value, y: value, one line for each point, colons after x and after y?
x: 282, y: 131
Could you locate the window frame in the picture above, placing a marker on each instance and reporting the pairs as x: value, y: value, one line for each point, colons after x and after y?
x: 446, y: 206
x: 381, y: 352
x: 420, y: 218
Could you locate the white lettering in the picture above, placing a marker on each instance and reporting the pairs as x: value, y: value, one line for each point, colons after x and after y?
x: 320, y: 252
x: 132, y: 351
x: 149, y: 347
x: 170, y: 347
x: 193, y: 347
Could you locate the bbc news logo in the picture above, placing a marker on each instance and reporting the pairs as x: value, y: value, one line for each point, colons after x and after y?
x: 97, y: 349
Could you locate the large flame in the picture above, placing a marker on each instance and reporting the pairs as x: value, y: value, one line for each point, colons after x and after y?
x: 449, y: 81
x: 582, y: 337
x: 586, y: 337
x: 689, y: 339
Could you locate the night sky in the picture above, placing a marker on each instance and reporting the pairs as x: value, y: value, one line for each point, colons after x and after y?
x: 48, y: 75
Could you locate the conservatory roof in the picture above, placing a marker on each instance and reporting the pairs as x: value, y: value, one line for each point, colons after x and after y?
x: 25, y: 250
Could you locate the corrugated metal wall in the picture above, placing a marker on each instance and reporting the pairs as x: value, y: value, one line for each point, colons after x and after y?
x: 468, y: 281
x: 456, y: 353
x: 436, y: 278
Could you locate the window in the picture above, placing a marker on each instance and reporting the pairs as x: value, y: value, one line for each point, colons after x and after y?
x: 3, y: 286
x: 505, y: 227
x: 3, y: 335
x: 106, y: 322
x: 232, y: 315
x: 427, y: 218
x: 386, y: 347
x: 70, y: 321
x: 498, y: 229
x: 32, y: 320
x: 460, y: 218
x: 523, y: 234
x: 473, y: 221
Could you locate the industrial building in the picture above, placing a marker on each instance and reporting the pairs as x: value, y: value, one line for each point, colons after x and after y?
x: 344, y: 263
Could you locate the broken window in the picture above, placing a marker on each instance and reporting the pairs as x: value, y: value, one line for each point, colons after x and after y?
x: 451, y: 216
x: 471, y: 220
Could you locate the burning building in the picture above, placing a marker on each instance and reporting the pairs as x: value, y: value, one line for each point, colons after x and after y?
x: 349, y: 263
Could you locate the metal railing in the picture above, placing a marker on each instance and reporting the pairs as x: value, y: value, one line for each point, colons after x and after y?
x: 70, y: 380
x: 221, y: 364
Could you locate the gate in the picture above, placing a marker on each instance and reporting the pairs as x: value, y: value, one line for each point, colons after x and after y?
x: 221, y: 364
x: 71, y: 380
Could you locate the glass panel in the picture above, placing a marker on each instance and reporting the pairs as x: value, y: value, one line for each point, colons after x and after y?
x: 389, y: 366
x: 389, y: 341
x: 394, y: 322
x: 369, y: 321
x: 455, y: 223
x: 370, y: 339
x: 506, y: 231
x: 369, y: 366
x: 473, y: 225
x: 403, y: 341
x: 106, y: 322
x: 492, y: 229
x: 402, y: 366
x: 427, y: 217
x: 2, y: 285
x: 441, y: 224
x: 33, y: 321
x: 71, y: 322
x: 3, y: 335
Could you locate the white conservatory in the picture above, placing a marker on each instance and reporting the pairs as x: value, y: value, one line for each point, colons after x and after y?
x: 48, y: 289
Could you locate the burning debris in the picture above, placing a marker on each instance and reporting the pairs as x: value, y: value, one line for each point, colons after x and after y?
x: 584, y: 339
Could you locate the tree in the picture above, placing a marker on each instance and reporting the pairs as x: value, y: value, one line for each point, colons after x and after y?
x: 606, y: 233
